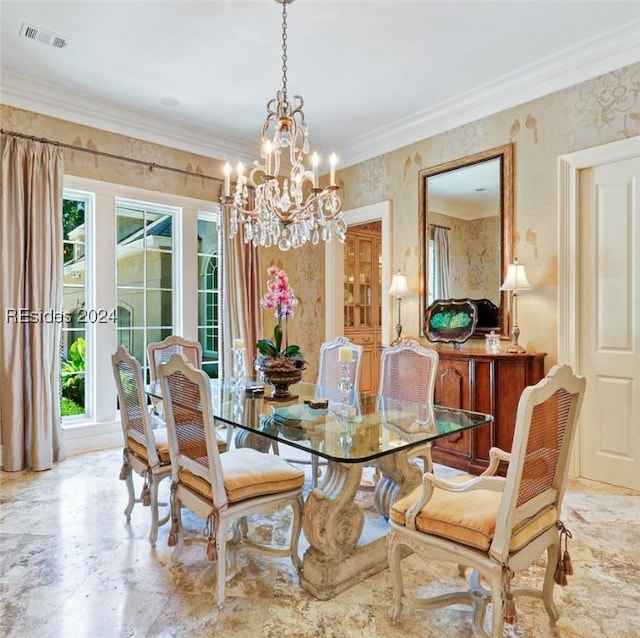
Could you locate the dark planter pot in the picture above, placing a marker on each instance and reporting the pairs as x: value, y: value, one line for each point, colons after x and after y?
x: 280, y: 373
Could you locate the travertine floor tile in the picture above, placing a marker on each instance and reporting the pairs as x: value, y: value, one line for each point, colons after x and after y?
x: 71, y: 567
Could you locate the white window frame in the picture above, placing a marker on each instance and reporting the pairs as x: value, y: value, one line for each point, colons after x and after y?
x: 89, y: 273
x: 101, y: 428
x: 215, y: 218
x: 175, y: 213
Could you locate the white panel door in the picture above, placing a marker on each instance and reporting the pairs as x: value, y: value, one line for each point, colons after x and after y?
x: 609, y: 351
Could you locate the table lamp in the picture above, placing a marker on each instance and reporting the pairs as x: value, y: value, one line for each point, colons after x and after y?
x: 399, y: 289
x: 515, y: 281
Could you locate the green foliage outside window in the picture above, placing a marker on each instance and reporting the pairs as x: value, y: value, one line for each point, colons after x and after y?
x: 72, y: 373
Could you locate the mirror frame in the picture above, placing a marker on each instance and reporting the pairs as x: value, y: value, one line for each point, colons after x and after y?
x: 505, y: 154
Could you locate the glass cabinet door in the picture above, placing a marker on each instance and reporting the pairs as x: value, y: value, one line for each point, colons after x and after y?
x: 349, y: 282
x: 365, y: 275
x: 363, y: 297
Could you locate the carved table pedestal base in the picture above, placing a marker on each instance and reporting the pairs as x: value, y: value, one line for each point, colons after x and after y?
x: 342, y: 551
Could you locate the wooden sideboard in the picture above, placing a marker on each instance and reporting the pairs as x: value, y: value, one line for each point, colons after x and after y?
x: 483, y: 382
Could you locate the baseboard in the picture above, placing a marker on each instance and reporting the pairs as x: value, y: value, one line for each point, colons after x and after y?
x: 92, y: 437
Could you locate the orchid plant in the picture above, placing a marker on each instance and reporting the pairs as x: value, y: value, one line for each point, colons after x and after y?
x: 281, y: 299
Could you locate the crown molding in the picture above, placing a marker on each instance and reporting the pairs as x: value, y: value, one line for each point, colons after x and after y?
x: 75, y: 106
x: 603, y: 54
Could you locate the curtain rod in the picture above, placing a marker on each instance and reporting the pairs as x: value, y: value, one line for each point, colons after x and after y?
x: 440, y: 226
x: 72, y: 147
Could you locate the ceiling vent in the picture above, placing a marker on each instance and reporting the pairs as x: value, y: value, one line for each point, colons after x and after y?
x: 42, y: 35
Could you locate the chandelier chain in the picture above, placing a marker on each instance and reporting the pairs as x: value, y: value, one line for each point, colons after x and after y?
x: 284, y: 50
x: 285, y: 208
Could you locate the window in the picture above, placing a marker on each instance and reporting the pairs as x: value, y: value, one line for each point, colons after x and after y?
x: 432, y: 268
x: 138, y: 266
x: 209, y: 292
x: 75, y: 210
x: 144, y: 275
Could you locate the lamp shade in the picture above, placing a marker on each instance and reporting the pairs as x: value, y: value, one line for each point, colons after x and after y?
x: 399, y: 285
x: 516, y: 278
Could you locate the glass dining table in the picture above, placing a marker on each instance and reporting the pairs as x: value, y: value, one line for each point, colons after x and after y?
x: 394, y: 436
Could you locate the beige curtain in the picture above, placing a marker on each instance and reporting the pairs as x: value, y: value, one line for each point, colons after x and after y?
x: 31, y: 259
x: 240, y: 297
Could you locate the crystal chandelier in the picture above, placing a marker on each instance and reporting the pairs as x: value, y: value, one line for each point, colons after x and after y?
x: 284, y: 211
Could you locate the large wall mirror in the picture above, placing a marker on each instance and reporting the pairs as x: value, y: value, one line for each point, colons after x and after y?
x: 466, y: 219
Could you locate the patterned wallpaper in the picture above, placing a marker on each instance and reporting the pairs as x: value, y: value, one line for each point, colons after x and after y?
x: 305, y: 268
x: 595, y: 112
x: 601, y: 110
x: 116, y: 171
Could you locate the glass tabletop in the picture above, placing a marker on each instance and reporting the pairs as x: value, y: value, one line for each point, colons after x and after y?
x: 375, y: 427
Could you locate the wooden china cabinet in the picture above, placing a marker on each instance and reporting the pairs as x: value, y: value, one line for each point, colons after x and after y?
x: 363, y: 298
x: 472, y: 379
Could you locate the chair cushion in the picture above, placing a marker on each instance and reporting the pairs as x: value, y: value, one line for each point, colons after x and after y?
x: 162, y: 446
x: 249, y: 473
x: 469, y: 517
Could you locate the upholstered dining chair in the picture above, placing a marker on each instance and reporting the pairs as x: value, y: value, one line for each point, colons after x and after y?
x: 408, y: 373
x: 146, y: 450
x: 221, y: 488
x: 495, y: 525
x: 160, y: 352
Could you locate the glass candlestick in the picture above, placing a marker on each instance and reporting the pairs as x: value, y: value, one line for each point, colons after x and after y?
x: 345, y: 440
x: 238, y: 405
x: 345, y: 387
x: 238, y: 367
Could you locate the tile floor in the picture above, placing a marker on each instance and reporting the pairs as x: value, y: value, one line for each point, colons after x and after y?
x: 70, y: 566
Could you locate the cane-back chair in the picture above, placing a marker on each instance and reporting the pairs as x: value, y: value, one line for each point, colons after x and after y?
x: 328, y: 383
x: 146, y: 450
x: 330, y: 373
x: 221, y: 488
x: 498, y: 526
x: 408, y: 373
x: 161, y: 351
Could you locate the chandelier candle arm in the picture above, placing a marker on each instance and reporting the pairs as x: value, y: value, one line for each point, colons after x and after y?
x: 333, y: 160
x: 284, y: 210
x: 227, y: 179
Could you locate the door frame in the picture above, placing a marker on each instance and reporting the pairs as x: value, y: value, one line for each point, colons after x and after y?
x: 569, y: 167
x: 334, y: 268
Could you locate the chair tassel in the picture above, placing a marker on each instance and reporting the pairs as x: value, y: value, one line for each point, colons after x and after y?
x: 124, y: 470
x: 564, y: 567
x: 560, y: 577
x: 145, y: 496
x: 568, y: 565
x: 172, y: 541
x: 509, y: 612
x: 211, y: 529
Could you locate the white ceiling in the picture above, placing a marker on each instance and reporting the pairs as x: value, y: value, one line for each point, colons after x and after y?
x: 375, y: 75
